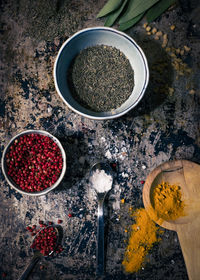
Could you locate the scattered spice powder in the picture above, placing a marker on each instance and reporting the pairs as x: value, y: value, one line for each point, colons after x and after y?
x: 122, y: 200
x: 178, y: 63
x: 143, y: 236
x: 168, y: 205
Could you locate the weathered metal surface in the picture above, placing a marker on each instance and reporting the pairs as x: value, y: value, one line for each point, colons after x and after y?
x: 164, y: 126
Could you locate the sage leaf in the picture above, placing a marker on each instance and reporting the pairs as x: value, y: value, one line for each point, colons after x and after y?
x: 155, y: 11
x: 114, y: 15
x: 135, y: 8
x: 109, y: 7
x: 130, y: 23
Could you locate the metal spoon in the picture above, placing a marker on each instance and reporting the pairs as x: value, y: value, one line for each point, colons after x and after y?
x: 100, y: 225
x: 38, y: 255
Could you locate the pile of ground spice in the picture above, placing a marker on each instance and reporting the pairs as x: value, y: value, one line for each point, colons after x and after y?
x: 167, y: 201
x: 168, y: 205
x: 100, y: 78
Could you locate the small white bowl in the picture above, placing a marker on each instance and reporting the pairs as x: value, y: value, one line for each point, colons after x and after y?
x: 12, y: 183
x: 101, y: 36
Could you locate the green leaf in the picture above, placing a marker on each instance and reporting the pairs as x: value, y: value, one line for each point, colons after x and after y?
x: 135, y: 8
x: 130, y: 23
x: 158, y: 9
x: 109, y: 7
x: 114, y: 15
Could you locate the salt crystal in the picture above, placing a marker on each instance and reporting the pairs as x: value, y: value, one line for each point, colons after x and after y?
x: 108, y: 154
x: 124, y: 175
x: 101, y: 181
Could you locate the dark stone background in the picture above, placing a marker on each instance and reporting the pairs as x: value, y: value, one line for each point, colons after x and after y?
x: 164, y: 126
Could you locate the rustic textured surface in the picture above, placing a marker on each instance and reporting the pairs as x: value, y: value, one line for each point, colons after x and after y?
x: 164, y: 126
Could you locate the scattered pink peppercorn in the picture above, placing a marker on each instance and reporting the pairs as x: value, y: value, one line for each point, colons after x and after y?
x: 59, y: 221
x: 114, y: 166
x: 69, y: 215
x: 142, y: 182
x: 4, y: 274
x: 34, y: 162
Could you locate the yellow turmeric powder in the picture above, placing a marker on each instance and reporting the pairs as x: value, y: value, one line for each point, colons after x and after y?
x: 168, y: 205
x: 143, y: 235
x: 167, y: 201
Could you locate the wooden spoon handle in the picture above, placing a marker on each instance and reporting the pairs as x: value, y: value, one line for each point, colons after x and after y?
x: 190, y: 244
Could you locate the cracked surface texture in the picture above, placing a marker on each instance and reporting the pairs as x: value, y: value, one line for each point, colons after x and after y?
x: 164, y: 126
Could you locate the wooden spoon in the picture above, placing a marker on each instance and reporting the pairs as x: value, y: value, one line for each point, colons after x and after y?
x: 186, y: 174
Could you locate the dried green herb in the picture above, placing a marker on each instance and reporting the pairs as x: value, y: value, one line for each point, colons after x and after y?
x: 101, y: 78
x: 109, y: 7
x: 135, y: 8
x: 155, y: 11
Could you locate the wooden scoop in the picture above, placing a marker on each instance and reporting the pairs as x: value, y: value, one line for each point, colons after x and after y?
x: 186, y: 174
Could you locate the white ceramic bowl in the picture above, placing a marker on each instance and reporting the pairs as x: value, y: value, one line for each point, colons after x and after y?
x: 12, y: 183
x: 101, y: 36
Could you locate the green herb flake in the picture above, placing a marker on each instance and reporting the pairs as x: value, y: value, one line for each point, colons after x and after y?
x: 100, y: 78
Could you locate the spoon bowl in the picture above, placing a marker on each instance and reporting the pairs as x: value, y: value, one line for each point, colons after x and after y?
x: 106, y: 170
x: 185, y: 174
x: 100, y: 171
x: 38, y: 255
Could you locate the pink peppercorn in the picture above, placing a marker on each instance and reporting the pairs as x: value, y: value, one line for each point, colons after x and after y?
x: 142, y: 182
x: 45, y: 241
x: 34, y: 162
x: 46, y: 238
x: 59, y: 221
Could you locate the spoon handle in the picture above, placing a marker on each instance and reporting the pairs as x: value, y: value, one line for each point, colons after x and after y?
x: 29, y: 268
x: 100, y: 240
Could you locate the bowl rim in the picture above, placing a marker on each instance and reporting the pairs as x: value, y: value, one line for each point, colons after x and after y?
x: 41, y: 132
x: 121, y: 34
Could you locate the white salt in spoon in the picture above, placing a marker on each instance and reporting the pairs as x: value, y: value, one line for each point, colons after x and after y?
x: 101, y: 179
